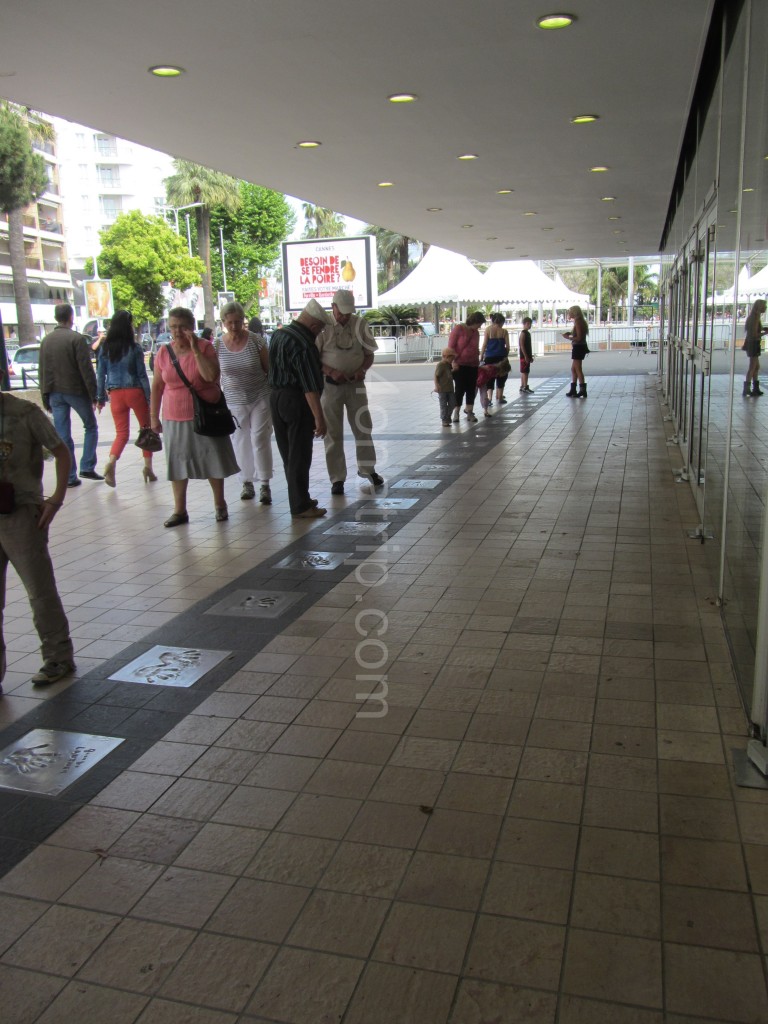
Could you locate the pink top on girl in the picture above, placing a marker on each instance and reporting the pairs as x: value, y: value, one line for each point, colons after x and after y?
x: 465, y: 342
x: 177, y: 400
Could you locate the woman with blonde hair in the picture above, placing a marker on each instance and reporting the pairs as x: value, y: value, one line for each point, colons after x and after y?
x: 579, y: 349
x: 753, y: 338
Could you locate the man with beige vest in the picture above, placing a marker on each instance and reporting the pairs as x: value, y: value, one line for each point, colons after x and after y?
x: 346, y: 351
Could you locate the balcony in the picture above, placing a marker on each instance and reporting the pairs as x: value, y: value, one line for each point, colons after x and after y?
x: 55, y: 266
x: 48, y: 224
x: 44, y: 147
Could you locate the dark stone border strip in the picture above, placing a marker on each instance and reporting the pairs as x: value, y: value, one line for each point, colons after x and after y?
x: 142, y: 714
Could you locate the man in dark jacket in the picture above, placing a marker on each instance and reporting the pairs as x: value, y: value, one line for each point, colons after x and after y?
x: 68, y: 381
x: 296, y: 383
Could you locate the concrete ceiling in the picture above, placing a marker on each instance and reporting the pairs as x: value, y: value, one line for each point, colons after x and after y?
x: 260, y: 77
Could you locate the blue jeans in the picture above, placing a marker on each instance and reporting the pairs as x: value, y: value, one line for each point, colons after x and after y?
x: 61, y: 405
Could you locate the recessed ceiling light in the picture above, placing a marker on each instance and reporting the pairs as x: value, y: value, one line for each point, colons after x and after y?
x: 504, y: 191
x: 599, y: 169
x: 467, y: 156
x: 547, y: 229
x: 402, y: 97
x: 585, y: 118
x: 467, y: 225
x: 434, y: 209
x: 747, y: 190
x: 530, y: 213
x: 555, y: 20
x: 166, y: 70
x: 614, y: 217
x: 308, y: 144
x: 734, y: 210
x: 386, y: 184
x: 608, y: 199
x: 618, y: 231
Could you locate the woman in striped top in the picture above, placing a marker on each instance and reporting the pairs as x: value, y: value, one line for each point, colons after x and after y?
x: 244, y: 366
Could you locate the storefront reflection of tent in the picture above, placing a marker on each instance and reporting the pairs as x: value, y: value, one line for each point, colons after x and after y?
x: 749, y: 288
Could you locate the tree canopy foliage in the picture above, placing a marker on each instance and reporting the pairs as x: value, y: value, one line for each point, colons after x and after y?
x: 23, y: 175
x: 140, y: 254
x: 320, y: 222
x: 252, y: 237
x: 194, y: 184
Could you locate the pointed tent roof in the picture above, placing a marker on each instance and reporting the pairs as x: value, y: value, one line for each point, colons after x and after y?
x: 520, y: 282
x: 749, y: 287
x: 442, y: 276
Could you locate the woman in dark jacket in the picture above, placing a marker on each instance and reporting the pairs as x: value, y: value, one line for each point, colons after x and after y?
x: 123, y: 382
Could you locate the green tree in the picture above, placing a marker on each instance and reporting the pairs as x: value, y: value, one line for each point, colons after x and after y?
x: 140, y: 254
x: 252, y: 237
x: 193, y: 183
x: 23, y: 179
x: 320, y: 222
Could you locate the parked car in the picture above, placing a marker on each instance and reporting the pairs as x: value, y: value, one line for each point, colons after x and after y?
x: 22, y: 366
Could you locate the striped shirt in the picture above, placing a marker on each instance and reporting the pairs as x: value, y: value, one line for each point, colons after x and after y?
x: 294, y: 361
x: 243, y: 380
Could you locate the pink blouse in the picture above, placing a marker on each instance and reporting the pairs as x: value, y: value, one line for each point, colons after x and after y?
x: 177, y: 400
x: 465, y: 342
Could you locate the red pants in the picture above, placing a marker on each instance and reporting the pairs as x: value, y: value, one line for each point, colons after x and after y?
x: 121, y: 401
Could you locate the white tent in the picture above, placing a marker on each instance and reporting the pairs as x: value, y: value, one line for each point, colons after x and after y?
x: 749, y: 288
x: 522, y: 283
x: 442, y: 276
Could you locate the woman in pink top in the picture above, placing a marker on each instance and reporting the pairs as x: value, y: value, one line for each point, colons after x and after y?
x: 190, y: 456
x: 464, y: 339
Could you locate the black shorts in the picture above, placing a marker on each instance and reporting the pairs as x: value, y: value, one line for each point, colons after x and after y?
x: 578, y: 352
x: 525, y: 366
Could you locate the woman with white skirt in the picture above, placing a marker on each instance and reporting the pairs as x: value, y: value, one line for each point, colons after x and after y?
x: 244, y: 362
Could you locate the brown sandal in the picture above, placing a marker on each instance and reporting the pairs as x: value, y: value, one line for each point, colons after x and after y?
x: 222, y: 513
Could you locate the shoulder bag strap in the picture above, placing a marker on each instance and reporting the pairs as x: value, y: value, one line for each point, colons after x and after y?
x: 179, y: 370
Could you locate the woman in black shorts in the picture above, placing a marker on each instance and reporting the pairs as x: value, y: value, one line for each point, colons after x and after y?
x: 753, y: 341
x: 579, y: 349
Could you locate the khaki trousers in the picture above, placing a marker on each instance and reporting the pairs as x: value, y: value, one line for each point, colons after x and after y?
x: 354, y: 398
x: 26, y: 548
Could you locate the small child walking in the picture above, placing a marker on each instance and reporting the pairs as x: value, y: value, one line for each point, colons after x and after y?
x: 485, y: 374
x: 444, y: 386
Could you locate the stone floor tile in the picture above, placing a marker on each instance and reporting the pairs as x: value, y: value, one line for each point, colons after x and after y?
x: 258, y: 909
x: 548, y: 801
x: 397, y: 785
x: 112, y: 885
x: 524, y: 953
x: 703, y: 862
x: 227, y: 849
x: 293, y: 859
x: 462, y: 833
x: 339, y: 922
x: 706, y: 917
x: 574, y: 1010
x: 47, y: 872
x: 254, y: 807
x: 137, y: 956
x: 61, y: 940
x: 219, y: 971
x: 164, y: 1011
x: 690, y: 746
x: 282, y: 771
x: 715, y: 982
x: 389, y: 993
x: 28, y: 992
x: 92, y: 1002
x: 444, y: 881
x: 526, y: 891
x: 386, y: 824
x: 314, y: 814
x: 481, y: 1001
x: 427, y: 938
x: 618, y: 852
x: 93, y: 828
x: 303, y: 986
x: 613, y: 967
x: 155, y: 838
x: 183, y: 897
x: 626, y: 906
x: 366, y: 870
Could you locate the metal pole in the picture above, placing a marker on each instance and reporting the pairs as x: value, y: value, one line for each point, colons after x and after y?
x: 631, y: 292
x: 189, y: 235
x: 223, y: 265
x: 95, y: 269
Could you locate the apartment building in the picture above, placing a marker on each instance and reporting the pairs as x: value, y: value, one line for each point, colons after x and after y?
x: 45, y: 246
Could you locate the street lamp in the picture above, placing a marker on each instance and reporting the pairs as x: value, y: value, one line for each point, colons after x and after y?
x: 175, y: 210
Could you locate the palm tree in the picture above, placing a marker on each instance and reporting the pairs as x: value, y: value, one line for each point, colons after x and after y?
x: 23, y: 179
x: 195, y: 184
x: 392, y: 253
x: 320, y: 222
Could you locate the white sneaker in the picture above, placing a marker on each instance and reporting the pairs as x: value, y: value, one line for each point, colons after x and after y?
x: 455, y: 417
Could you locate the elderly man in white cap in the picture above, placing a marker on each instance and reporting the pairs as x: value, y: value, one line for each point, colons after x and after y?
x: 346, y: 349
x: 296, y: 384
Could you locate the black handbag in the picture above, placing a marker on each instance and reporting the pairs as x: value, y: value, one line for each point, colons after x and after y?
x: 211, y: 419
x: 149, y: 440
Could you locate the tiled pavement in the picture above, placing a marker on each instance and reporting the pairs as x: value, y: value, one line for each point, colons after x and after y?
x: 543, y: 827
